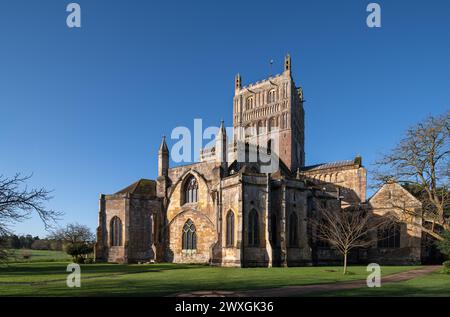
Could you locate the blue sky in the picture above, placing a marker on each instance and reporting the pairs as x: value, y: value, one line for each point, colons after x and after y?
x: 84, y: 109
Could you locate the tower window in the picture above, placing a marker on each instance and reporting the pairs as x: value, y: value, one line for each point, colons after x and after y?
x: 189, y: 239
x: 190, y: 190
x: 271, y: 96
x: 250, y: 103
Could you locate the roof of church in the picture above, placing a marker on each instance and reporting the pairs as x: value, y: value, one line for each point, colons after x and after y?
x: 141, y: 187
x: 329, y: 165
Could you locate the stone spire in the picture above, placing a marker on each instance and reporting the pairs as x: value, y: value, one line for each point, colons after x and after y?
x: 163, y: 158
x: 237, y: 83
x: 221, y: 144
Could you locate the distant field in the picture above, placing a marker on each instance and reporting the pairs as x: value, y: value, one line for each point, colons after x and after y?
x: 38, y: 256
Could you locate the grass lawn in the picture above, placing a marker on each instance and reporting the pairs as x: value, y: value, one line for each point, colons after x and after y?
x: 434, y: 284
x: 49, y: 278
x: 38, y: 256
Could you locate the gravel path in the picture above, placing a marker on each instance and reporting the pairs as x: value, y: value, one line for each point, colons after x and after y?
x: 294, y: 291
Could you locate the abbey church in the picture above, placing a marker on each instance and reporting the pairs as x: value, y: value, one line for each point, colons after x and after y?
x: 235, y: 207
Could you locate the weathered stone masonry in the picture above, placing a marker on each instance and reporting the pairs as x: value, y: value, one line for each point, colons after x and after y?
x: 225, y: 212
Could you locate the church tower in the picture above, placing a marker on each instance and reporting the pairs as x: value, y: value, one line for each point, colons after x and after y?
x: 272, y: 104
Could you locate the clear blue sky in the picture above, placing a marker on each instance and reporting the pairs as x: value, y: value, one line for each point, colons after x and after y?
x: 84, y: 109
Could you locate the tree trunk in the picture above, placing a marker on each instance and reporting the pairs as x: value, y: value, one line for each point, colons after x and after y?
x: 345, y: 263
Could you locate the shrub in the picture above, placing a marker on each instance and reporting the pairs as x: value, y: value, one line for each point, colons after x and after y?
x: 444, y: 245
x: 446, y: 269
x: 79, y: 252
x: 26, y: 254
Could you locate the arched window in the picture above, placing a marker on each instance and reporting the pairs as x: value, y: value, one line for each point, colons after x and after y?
x: 249, y: 103
x: 116, y: 232
x: 190, y: 190
x: 273, y: 230
x: 230, y: 229
x: 253, y: 229
x: 271, y: 96
x: 389, y: 237
x: 293, y: 230
x: 189, y: 240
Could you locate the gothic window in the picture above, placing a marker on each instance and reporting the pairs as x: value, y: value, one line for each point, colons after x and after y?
x: 249, y: 103
x: 389, y: 237
x: 190, y: 190
x: 116, y: 231
x: 253, y: 229
x: 271, y: 96
x: 293, y: 230
x: 189, y: 240
x: 230, y: 229
x: 273, y: 230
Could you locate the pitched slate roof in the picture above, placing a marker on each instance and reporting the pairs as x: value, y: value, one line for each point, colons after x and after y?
x: 141, y: 187
x: 330, y: 165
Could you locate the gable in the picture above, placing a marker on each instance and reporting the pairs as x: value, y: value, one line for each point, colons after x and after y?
x: 393, y: 191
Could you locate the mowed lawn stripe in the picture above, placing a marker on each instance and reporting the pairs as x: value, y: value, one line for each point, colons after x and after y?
x: 49, y: 279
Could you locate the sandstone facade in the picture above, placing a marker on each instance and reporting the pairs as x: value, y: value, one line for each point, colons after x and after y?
x: 230, y: 212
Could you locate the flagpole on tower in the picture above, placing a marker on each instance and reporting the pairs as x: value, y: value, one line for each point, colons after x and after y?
x: 270, y: 67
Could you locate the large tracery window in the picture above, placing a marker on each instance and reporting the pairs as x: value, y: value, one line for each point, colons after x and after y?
x: 189, y: 236
x: 253, y: 229
x: 389, y: 237
x: 230, y: 229
x: 116, y: 232
x: 190, y: 190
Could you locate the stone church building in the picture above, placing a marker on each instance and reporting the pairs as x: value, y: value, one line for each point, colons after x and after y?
x: 229, y: 210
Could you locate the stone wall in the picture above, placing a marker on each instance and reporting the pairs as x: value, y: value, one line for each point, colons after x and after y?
x: 395, y: 200
x: 116, y: 206
x: 203, y: 213
x: 231, y: 199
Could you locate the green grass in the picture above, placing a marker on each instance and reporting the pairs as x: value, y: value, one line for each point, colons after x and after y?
x: 434, y: 284
x: 37, y: 256
x: 49, y: 279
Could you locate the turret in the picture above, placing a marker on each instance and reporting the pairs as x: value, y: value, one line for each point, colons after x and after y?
x: 163, y: 158
x: 221, y: 144
x: 237, y: 83
x: 287, y: 64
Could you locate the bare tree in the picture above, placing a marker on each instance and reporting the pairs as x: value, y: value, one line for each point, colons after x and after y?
x: 347, y: 229
x: 421, y: 161
x: 18, y: 203
x: 74, y: 233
